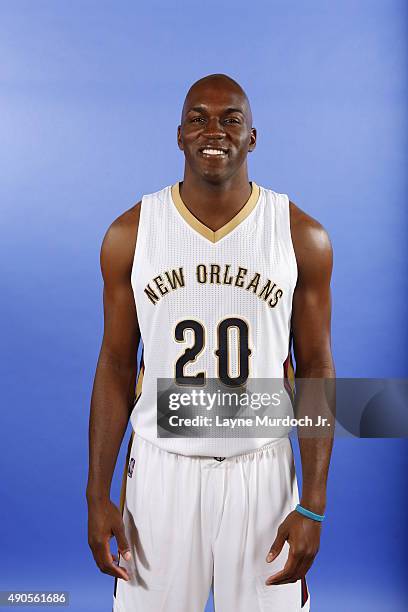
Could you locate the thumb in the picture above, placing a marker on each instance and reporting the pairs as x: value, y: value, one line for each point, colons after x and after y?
x: 123, y: 545
x: 276, y: 546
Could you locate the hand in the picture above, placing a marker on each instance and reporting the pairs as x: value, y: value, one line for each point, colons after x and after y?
x: 104, y: 522
x: 303, y: 536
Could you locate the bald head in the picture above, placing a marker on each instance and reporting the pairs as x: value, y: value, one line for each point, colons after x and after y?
x: 216, y: 132
x: 214, y: 85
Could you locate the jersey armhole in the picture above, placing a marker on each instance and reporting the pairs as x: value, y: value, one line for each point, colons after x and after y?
x: 139, y: 239
x: 288, y: 237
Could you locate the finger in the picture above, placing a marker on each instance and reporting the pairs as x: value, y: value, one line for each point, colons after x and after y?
x: 298, y: 572
x: 115, y: 571
x: 111, y: 568
x: 287, y: 573
x: 305, y: 566
x: 123, y: 545
x: 106, y: 564
x: 276, y: 547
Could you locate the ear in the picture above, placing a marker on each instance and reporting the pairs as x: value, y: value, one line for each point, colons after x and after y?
x: 252, y: 141
x: 179, y: 139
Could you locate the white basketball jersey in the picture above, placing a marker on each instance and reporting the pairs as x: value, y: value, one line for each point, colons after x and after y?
x: 238, y: 279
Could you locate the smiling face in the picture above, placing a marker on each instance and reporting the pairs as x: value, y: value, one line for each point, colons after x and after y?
x: 216, y: 131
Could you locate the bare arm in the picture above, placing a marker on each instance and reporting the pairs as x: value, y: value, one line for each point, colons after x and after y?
x: 113, y: 390
x: 311, y: 315
x: 311, y: 319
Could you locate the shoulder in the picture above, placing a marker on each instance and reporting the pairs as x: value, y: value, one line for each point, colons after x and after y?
x: 119, y: 242
x: 311, y: 241
x: 307, y: 232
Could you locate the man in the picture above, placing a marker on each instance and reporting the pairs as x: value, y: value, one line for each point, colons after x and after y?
x: 212, y: 266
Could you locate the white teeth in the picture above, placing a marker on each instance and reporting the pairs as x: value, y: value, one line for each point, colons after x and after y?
x: 213, y: 152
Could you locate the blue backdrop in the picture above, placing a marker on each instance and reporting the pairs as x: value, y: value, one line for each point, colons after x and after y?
x: 90, y: 100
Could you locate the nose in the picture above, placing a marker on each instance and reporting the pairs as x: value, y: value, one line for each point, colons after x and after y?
x: 214, y: 129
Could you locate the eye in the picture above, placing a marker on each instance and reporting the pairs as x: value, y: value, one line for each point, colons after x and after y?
x: 232, y: 120
x: 197, y: 119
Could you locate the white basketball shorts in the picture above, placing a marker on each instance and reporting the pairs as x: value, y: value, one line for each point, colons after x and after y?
x: 195, y: 523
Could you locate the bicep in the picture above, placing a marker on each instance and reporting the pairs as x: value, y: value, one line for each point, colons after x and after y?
x: 121, y: 330
x: 311, y: 313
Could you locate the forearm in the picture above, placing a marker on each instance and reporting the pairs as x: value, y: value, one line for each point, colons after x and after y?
x: 112, y: 399
x: 315, y: 455
x: 316, y: 400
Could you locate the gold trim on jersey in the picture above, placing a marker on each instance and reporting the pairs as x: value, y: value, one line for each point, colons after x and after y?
x: 122, y: 499
x: 205, y: 231
x: 138, y: 393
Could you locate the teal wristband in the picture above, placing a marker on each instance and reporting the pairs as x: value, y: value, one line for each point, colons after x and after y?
x: 310, y: 514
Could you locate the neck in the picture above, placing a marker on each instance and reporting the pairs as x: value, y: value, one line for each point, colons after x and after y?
x: 214, y: 204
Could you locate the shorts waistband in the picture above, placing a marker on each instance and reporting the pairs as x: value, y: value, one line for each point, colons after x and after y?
x: 270, y: 448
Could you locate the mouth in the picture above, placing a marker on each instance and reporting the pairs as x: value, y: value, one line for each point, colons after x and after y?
x: 213, y: 152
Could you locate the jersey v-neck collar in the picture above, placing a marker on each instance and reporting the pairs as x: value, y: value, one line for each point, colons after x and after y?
x: 226, y: 229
